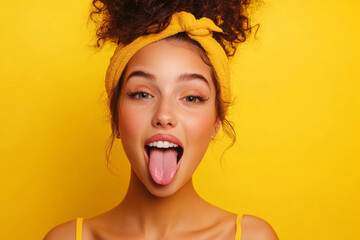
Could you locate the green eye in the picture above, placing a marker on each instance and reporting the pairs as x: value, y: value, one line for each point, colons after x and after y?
x: 139, y: 95
x: 144, y: 95
x: 192, y: 99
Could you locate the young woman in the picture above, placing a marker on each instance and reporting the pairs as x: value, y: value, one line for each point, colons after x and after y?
x: 168, y: 88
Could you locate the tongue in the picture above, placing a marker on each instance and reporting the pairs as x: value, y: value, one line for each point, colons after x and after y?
x: 163, y: 165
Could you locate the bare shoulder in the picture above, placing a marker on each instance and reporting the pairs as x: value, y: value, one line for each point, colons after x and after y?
x: 65, y: 231
x: 254, y: 228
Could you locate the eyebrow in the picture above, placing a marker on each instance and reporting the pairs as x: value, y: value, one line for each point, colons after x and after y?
x: 182, y: 77
x: 192, y: 76
x: 141, y: 74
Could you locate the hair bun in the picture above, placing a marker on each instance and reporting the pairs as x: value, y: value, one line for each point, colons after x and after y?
x: 122, y: 21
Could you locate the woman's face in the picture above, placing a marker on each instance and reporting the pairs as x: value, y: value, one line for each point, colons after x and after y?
x: 167, y: 114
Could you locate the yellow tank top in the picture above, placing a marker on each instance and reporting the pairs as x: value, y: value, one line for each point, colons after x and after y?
x: 80, y: 220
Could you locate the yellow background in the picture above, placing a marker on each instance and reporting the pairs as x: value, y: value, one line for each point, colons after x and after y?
x: 297, y: 114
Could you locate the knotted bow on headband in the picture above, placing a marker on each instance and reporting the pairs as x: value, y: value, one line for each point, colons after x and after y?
x: 200, y: 30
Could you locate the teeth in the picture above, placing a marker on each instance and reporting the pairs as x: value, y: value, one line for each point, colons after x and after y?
x: 163, y: 144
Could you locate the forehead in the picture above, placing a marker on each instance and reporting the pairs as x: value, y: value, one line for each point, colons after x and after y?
x: 167, y: 55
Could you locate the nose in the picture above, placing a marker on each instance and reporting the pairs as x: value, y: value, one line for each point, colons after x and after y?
x: 164, y: 116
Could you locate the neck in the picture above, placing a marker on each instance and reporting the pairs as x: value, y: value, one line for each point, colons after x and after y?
x: 150, y: 212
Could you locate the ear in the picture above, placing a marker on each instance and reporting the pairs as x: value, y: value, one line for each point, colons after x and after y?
x: 216, y: 127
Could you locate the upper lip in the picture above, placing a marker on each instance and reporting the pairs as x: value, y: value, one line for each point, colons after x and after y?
x: 164, y: 137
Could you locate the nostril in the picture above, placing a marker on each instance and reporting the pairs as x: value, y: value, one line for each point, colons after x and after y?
x: 164, y: 124
x: 163, y: 120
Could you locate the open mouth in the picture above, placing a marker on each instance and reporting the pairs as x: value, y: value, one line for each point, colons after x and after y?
x: 164, y: 146
x: 163, y: 154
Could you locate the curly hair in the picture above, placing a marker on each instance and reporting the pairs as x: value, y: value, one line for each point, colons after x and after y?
x: 123, y: 21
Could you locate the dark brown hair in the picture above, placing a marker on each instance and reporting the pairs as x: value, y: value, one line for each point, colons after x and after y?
x: 123, y: 21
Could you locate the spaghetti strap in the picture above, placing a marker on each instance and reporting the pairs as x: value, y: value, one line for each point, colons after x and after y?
x: 79, y: 222
x: 238, y: 227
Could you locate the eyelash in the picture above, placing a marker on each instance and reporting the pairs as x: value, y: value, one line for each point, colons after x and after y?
x: 199, y: 99
x: 140, y: 95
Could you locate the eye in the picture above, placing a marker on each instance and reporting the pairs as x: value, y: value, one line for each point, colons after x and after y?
x: 139, y: 95
x: 193, y: 99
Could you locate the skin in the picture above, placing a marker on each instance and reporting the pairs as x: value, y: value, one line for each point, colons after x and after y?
x: 167, y: 108
x: 157, y: 98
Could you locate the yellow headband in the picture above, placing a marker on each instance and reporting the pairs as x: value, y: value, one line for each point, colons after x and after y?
x: 199, y: 30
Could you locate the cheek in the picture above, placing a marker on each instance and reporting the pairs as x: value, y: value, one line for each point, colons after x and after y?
x: 132, y: 124
x: 130, y: 121
x: 199, y: 127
